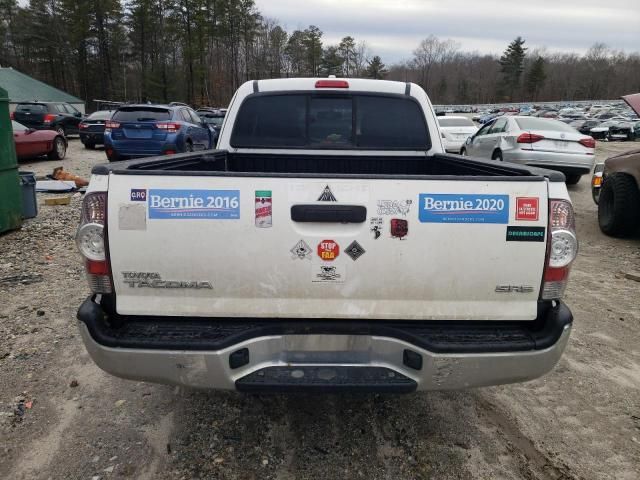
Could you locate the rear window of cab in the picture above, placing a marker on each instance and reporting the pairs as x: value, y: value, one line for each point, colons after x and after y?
x: 365, y: 122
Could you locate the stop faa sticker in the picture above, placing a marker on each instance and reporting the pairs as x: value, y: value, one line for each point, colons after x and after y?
x: 328, y: 250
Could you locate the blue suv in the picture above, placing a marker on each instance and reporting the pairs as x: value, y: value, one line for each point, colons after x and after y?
x: 148, y: 130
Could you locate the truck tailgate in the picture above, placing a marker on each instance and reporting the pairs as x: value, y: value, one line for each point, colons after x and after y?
x: 233, y: 246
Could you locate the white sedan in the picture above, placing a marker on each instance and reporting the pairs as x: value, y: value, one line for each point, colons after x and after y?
x: 539, y: 142
x: 454, y: 132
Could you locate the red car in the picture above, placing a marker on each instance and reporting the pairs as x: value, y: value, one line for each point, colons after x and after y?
x: 32, y: 143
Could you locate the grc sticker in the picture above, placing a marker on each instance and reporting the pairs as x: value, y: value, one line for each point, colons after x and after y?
x: 463, y: 208
x: 194, y: 204
x: 138, y: 194
x: 527, y: 208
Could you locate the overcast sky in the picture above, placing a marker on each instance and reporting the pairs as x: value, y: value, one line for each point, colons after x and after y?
x: 393, y: 28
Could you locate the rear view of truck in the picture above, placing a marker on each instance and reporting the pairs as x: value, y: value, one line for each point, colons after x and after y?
x: 329, y: 244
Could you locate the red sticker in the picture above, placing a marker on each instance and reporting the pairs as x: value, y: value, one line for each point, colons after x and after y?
x: 399, y: 228
x: 527, y: 208
x: 328, y: 250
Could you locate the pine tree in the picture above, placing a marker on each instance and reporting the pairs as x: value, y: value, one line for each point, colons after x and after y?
x: 512, y: 65
x: 536, y: 77
x: 376, y: 69
x: 332, y: 62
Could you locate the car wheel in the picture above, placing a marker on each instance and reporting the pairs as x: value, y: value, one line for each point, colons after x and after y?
x: 619, y: 205
x: 572, y: 179
x: 60, y: 130
x: 497, y: 155
x: 59, y: 149
x: 90, y: 146
x: 188, y: 146
x: 463, y: 152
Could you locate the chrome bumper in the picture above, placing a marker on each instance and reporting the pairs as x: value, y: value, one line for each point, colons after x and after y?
x: 211, y: 369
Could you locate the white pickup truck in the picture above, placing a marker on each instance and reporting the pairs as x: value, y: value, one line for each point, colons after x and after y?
x: 329, y: 243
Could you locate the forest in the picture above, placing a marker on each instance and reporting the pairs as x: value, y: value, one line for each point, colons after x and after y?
x: 200, y: 51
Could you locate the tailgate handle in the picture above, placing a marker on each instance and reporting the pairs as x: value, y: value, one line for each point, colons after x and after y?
x: 329, y: 213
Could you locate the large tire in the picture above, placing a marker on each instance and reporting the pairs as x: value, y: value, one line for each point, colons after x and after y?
x: 59, y: 149
x: 572, y: 179
x: 619, y: 205
x: 188, y: 146
x: 497, y: 155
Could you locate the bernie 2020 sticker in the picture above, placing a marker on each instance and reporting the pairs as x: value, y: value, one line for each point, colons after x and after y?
x: 525, y: 234
x: 194, y: 204
x: 463, y: 208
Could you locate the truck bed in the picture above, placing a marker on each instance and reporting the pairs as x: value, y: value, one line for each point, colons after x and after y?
x: 219, y: 162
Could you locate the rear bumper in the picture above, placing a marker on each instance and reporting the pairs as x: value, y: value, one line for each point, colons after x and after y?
x: 569, y: 163
x: 92, y: 137
x: 325, y: 355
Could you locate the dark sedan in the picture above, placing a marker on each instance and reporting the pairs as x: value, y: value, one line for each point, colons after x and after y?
x: 92, y: 128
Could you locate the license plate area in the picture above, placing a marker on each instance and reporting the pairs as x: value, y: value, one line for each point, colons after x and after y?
x: 326, y: 349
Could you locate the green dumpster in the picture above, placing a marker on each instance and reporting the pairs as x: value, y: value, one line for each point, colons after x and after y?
x: 10, y: 189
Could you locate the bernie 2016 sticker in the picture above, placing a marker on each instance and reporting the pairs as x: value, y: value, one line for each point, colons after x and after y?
x: 328, y: 250
x: 463, y: 208
x: 527, y: 208
x: 194, y: 204
x: 264, y: 209
x: 525, y: 234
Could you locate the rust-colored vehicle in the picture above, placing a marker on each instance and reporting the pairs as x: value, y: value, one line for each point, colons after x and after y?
x: 615, y: 187
x: 32, y: 143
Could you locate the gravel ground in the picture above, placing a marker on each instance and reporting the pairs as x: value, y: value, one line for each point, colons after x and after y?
x: 63, y: 418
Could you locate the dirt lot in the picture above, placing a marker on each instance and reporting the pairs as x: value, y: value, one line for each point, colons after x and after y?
x: 63, y: 418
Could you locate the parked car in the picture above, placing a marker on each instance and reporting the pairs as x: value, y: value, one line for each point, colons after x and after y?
x: 214, y: 119
x: 148, y: 130
x: 259, y: 267
x: 455, y: 131
x: 61, y: 117
x: 32, y: 143
x: 585, y: 126
x: 614, y: 130
x: 92, y: 128
x: 616, y: 189
x: 539, y: 142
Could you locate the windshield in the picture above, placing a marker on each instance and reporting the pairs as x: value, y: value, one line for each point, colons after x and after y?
x: 216, y: 121
x: 341, y: 121
x: 455, y: 122
x: 532, y: 123
x: 142, y: 114
x: 17, y: 127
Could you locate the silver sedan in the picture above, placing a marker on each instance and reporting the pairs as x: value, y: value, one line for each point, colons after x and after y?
x: 539, y: 142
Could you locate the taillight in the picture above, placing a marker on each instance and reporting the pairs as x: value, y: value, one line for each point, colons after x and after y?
x: 170, y: 127
x: 91, y: 243
x: 49, y: 117
x: 332, y: 84
x: 82, y: 125
x: 110, y: 125
x: 169, y: 152
x: 529, y: 138
x: 562, y: 249
x: 588, y: 142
